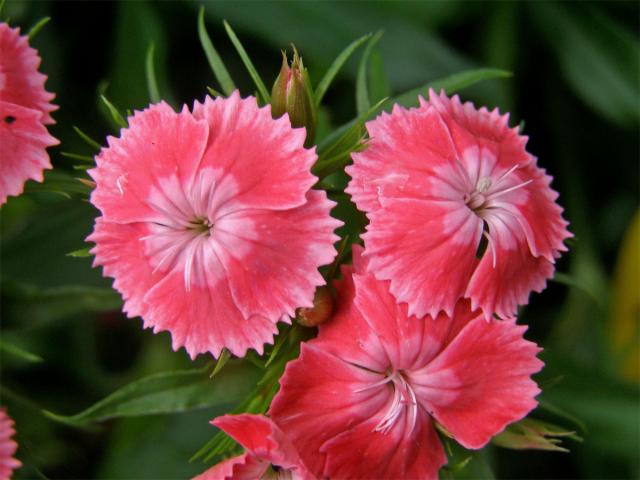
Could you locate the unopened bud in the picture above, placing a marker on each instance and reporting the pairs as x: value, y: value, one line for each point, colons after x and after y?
x: 292, y: 94
x: 321, y: 310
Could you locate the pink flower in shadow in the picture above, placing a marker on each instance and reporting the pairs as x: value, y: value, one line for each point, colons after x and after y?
x: 363, y: 396
x: 8, y: 446
x: 25, y: 110
x: 457, y: 209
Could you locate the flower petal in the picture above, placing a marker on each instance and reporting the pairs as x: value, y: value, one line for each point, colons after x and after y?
x: 242, y: 467
x: 20, y: 81
x: 272, y: 266
x: 404, y: 146
x: 481, y: 382
x: 158, y: 144
x: 320, y: 397
x: 264, y: 157
x: 427, y: 250
x: 406, y: 451
x: 24, y: 140
x: 499, y: 288
x: 263, y: 439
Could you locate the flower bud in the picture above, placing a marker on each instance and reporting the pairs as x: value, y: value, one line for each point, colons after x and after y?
x: 292, y: 94
x: 321, y: 310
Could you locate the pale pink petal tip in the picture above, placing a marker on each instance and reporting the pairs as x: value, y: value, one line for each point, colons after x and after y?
x: 266, y: 447
x: 457, y: 208
x: 376, y: 379
x: 25, y: 108
x: 8, y: 446
x: 209, y: 227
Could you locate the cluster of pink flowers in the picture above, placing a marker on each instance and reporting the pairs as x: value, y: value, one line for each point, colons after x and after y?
x: 25, y: 110
x: 211, y: 230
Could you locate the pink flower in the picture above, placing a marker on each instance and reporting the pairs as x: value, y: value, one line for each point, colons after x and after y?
x: 209, y: 226
x: 363, y: 396
x: 25, y: 108
x: 8, y: 446
x: 457, y: 208
x: 268, y: 450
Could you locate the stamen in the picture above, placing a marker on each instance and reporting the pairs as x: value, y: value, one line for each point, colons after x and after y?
x: 485, y: 234
x: 511, y: 189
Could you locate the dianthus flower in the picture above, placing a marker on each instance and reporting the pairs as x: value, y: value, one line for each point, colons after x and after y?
x: 363, y: 396
x: 25, y: 108
x: 457, y: 208
x: 208, y: 225
x: 8, y: 446
x: 269, y: 453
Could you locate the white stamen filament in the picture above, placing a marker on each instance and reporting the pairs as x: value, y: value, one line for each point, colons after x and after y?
x: 403, y: 395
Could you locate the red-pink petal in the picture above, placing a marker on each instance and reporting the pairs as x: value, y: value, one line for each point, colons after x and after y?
x: 20, y: 81
x: 426, y: 249
x: 507, y: 273
x: 23, y: 141
x: 481, y: 382
x: 404, y: 148
x: 242, y: 467
x: 263, y: 157
x: 264, y: 280
x: 319, y: 398
x: 8, y: 446
x: 264, y: 440
x: 404, y: 452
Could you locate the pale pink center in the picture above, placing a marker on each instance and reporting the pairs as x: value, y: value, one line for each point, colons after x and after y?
x: 190, y: 229
x: 484, y: 189
x: 403, y: 400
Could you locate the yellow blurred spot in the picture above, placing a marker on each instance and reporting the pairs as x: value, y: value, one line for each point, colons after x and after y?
x: 624, y: 322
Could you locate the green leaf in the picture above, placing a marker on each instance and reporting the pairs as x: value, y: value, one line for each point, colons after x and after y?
x: 597, y: 55
x: 363, y: 103
x: 162, y: 393
x: 464, y: 464
x: 88, y: 140
x: 115, y: 114
x: 333, y: 157
x: 533, y: 434
x: 37, y: 27
x: 58, y: 182
x: 19, y: 352
x: 152, y: 83
x: 215, y: 62
x: 264, y: 93
x: 573, y: 281
x: 334, y: 68
x: 450, y: 84
x: 225, y: 355
x: 81, y: 253
x: 77, y: 156
x: 378, y: 83
x: 39, y: 305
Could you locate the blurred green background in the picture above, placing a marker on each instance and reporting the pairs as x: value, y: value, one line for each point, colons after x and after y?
x: 576, y: 86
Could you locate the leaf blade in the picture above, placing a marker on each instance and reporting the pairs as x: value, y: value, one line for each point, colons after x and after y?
x: 215, y: 62
x: 264, y: 93
x: 152, y: 82
x: 363, y: 102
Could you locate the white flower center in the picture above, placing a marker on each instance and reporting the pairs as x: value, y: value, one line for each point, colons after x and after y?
x: 403, y: 398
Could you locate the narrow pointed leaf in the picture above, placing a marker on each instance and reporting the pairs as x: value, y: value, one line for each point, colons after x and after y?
x: 77, y: 156
x: 450, y: 84
x: 222, y: 361
x: 166, y: 392
x: 80, y: 253
x: 37, y: 27
x: 88, y: 140
x: 334, y: 68
x: 363, y: 103
x: 264, y: 93
x: 152, y: 83
x: 115, y: 114
x: 18, y: 352
x: 215, y: 62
